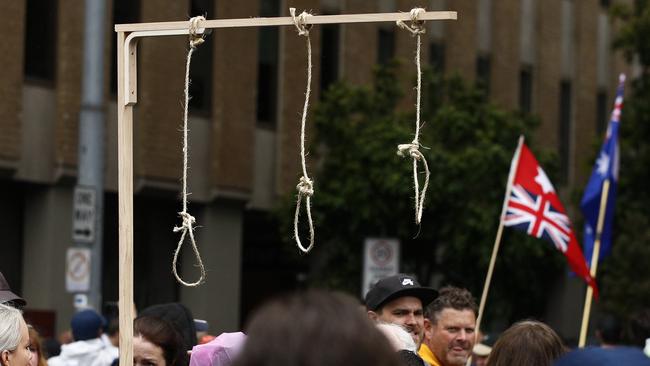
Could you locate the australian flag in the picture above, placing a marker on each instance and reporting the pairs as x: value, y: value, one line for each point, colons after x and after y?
x: 606, y: 168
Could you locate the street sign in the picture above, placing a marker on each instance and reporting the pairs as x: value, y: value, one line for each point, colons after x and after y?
x: 380, y: 260
x: 77, y: 271
x: 83, y: 215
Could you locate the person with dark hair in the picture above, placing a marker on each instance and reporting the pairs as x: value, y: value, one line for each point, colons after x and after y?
x: 528, y: 342
x: 179, y: 316
x: 38, y: 358
x: 156, y: 342
x: 88, y: 347
x: 449, y: 328
x: 609, y: 331
x: 612, y: 352
x: 639, y: 329
x: 400, y: 299
x: 314, y: 328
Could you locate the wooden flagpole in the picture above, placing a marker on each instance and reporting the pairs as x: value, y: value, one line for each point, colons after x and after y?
x: 497, y: 240
x: 594, y: 264
x: 127, y: 98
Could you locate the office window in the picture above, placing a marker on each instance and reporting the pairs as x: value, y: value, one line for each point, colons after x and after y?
x: 40, y: 40
x: 602, y: 116
x: 201, y: 70
x: 386, y: 45
x: 267, y: 67
x: 526, y: 89
x: 483, y: 73
x: 329, y: 55
x: 437, y: 56
x: 124, y: 12
x: 564, y: 130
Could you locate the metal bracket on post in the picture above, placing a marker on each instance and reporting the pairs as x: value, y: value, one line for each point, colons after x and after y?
x: 131, y: 59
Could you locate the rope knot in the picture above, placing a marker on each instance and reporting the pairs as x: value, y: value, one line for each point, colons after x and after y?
x: 412, y: 150
x: 188, y: 222
x: 300, y: 22
x: 417, y: 25
x: 196, y: 38
x: 305, y: 187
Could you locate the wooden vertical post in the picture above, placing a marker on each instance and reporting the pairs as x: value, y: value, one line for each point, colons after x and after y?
x: 125, y: 193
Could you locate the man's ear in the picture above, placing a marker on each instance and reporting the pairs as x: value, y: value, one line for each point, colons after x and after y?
x: 372, y: 315
x: 428, y: 328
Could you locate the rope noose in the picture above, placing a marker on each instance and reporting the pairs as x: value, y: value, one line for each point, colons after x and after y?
x: 305, y: 186
x: 413, y: 149
x: 187, y: 227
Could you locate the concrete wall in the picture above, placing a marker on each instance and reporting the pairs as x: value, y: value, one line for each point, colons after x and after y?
x: 47, y: 223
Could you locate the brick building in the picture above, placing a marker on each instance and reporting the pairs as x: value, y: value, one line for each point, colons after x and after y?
x: 549, y: 57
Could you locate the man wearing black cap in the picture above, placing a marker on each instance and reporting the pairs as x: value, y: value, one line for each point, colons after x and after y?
x: 400, y: 299
x: 7, y: 297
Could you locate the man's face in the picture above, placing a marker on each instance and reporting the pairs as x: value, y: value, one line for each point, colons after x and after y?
x: 405, y: 311
x: 452, y: 337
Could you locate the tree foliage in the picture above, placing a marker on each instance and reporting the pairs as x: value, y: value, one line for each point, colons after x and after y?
x: 364, y: 189
x: 625, y: 276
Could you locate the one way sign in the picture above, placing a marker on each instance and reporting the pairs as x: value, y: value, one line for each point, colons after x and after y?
x: 83, y: 215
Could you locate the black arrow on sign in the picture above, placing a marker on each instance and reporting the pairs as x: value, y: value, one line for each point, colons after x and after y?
x: 82, y: 232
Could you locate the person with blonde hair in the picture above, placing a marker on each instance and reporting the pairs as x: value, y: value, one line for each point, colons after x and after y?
x: 38, y: 359
x: 14, y: 338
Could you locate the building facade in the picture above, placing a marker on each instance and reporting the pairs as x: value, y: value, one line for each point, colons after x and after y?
x: 552, y: 58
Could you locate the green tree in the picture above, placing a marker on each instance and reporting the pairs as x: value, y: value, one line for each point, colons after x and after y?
x: 625, y: 276
x: 364, y: 189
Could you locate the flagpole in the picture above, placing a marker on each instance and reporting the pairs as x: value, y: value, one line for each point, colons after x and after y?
x: 497, y: 240
x: 594, y: 263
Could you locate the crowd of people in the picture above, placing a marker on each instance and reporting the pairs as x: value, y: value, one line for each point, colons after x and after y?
x: 401, y: 323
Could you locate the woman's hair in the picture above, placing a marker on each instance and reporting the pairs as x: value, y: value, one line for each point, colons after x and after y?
x: 162, y: 334
x: 10, y: 320
x: 35, y: 340
x: 314, y: 328
x: 529, y: 343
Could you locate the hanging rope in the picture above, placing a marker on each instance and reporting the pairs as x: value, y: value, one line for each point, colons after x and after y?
x: 305, y: 186
x: 413, y: 149
x: 188, y: 220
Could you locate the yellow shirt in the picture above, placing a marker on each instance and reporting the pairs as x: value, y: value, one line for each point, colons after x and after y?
x: 428, y: 356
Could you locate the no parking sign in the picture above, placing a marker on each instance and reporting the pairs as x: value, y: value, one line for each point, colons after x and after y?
x: 380, y: 259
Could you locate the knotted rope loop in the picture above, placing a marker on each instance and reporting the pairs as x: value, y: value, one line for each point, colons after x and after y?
x: 305, y: 186
x: 305, y: 189
x: 300, y: 22
x: 187, y: 227
x: 413, y: 149
x: 417, y: 25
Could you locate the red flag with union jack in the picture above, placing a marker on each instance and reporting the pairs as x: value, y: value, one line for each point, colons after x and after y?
x: 534, y: 207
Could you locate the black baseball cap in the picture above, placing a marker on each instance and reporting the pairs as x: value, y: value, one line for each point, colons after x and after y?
x: 8, y: 297
x: 399, y: 285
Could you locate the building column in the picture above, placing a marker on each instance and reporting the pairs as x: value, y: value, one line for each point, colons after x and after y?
x: 46, y: 237
x: 219, y: 240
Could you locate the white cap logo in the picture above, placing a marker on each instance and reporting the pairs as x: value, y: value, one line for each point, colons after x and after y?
x: 407, y: 281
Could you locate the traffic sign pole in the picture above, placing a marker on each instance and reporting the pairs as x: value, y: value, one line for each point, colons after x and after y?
x: 91, y: 142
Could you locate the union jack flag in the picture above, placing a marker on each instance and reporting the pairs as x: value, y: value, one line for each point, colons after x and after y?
x: 533, y: 206
x: 535, y: 215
